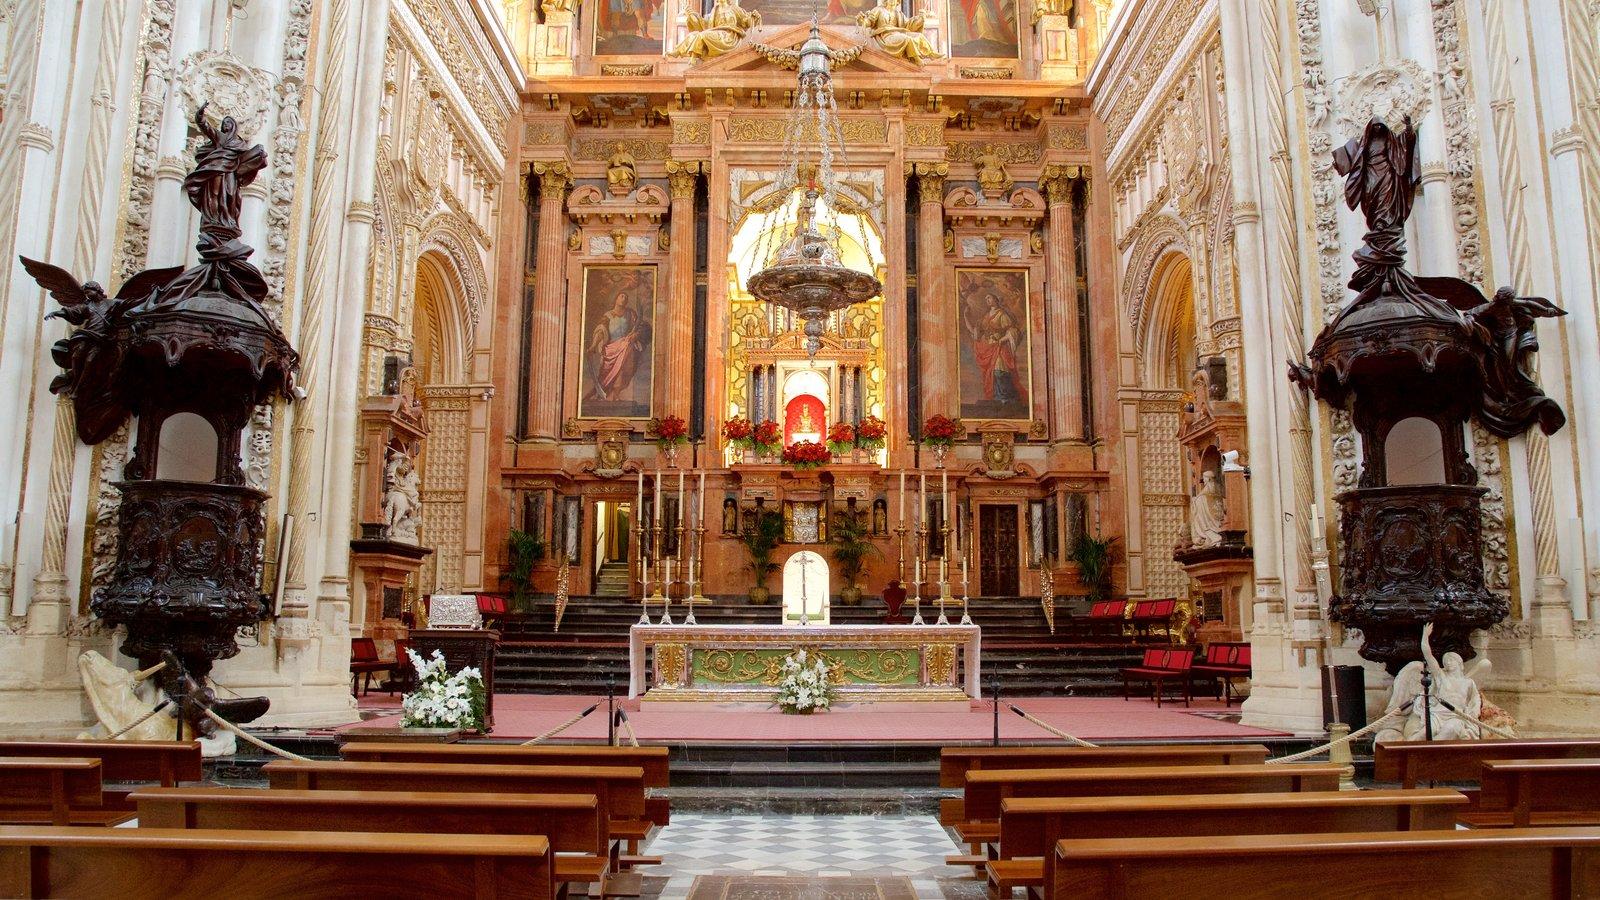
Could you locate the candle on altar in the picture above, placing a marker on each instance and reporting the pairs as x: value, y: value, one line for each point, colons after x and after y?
x: 680, y: 496
x: 702, y: 498
x: 944, y: 499
x: 922, y: 497
x: 963, y: 573
x: 656, y: 512
x: 901, y: 519
x: 638, y: 503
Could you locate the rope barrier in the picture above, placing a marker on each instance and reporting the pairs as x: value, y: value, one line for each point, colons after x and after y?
x: 1050, y: 728
x: 253, y: 739
x: 142, y: 719
x: 1324, y: 748
x: 560, y: 728
x: 142, y: 674
x: 632, y: 740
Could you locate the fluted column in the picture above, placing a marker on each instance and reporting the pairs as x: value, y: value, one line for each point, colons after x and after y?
x: 682, y: 177
x: 1064, y: 354
x: 936, y: 314
x: 549, y: 297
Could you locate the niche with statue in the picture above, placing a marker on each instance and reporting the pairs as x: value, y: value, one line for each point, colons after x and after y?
x: 1215, y: 553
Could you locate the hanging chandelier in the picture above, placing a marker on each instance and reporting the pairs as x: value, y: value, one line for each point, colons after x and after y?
x: 805, y: 275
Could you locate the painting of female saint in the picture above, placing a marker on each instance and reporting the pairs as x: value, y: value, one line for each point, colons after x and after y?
x: 995, y: 372
x: 629, y: 28
x: 984, y: 28
x: 618, y: 341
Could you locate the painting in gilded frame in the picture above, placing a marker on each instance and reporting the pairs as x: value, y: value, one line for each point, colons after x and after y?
x: 793, y: 12
x: 984, y: 29
x: 629, y: 28
x: 619, y: 304
x: 996, y: 368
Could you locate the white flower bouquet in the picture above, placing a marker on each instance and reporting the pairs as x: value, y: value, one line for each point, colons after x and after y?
x: 804, y: 688
x: 443, y: 700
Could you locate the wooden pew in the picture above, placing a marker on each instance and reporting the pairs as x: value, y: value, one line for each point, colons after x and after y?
x: 653, y: 760
x: 619, y: 790
x: 161, y: 863
x: 1031, y: 826
x: 956, y: 762
x: 54, y: 790
x: 1461, y: 762
x: 1523, y: 792
x: 1440, y: 865
x: 167, y: 763
x: 986, y: 789
x: 571, y: 822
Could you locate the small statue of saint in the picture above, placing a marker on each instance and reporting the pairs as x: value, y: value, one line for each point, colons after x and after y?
x: 1206, y: 512
x: 621, y: 175
x: 993, y: 178
x: 713, y: 35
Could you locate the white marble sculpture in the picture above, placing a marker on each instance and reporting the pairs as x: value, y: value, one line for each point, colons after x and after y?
x: 1453, y: 684
x: 120, y: 698
x: 402, y: 498
x: 1206, y: 512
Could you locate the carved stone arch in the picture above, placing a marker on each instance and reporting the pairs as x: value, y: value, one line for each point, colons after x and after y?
x: 1165, y: 339
x: 1157, y: 237
x: 447, y: 236
x: 388, y: 222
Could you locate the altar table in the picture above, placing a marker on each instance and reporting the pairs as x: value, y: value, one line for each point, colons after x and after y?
x: 869, y: 663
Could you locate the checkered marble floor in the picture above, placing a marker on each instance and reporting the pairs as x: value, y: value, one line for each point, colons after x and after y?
x: 818, y: 846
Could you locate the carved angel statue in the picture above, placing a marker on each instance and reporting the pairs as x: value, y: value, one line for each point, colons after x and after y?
x: 1453, y: 688
x: 897, y: 33
x: 402, y: 498
x: 621, y: 175
x: 1512, y: 398
x: 91, y: 356
x: 713, y: 35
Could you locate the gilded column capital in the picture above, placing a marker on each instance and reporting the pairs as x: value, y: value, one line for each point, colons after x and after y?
x: 681, y: 178
x: 930, y: 178
x: 1056, y: 182
x: 555, y: 177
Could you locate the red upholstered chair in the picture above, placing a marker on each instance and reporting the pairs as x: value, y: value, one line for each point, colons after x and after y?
x: 1225, y: 662
x: 404, y: 675
x: 1160, y: 666
x: 1149, y: 614
x: 492, y: 607
x: 1107, y: 617
x: 364, y: 661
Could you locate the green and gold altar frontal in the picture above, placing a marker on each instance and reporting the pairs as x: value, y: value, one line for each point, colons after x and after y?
x: 866, y: 663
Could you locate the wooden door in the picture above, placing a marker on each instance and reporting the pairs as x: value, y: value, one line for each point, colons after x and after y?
x: 998, y: 559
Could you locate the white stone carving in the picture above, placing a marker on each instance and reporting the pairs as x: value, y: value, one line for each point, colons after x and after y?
x: 219, y: 78
x: 1389, y: 91
x: 454, y: 611
x: 402, y: 497
x: 1206, y: 512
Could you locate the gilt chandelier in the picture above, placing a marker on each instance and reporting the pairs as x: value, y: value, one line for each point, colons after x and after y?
x: 805, y: 274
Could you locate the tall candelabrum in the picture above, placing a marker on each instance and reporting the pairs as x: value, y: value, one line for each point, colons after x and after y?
x: 644, y: 571
x: 916, y: 574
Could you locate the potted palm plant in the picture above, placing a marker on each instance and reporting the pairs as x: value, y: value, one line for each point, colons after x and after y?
x: 524, y: 550
x: 850, y: 550
x: 760, y: 542
x: 1093, y: 556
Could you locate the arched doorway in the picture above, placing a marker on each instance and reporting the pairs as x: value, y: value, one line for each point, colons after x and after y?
x: 1166, y: 342
x: 439, y: 350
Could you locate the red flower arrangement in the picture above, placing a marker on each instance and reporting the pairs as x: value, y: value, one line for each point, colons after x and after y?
x: 842, y: 437
x: 738, y: 432
x: 806, y: 455
x: 941, y: 430
x: 768, y: 436
x: 669, y: 431
x: 871, y: 434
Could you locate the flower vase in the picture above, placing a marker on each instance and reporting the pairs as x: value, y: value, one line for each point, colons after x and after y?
x: 939, y: 450
x: 670, y: 451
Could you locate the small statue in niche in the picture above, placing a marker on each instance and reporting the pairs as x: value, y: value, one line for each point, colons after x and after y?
x: 716, y: 34
x: 621, y: 175
x: 730, y: 516
x: 1206, y: 512
x: 880, y: 516
x: 402, y: 498
x: 992, y: 175
x: 898, y: 34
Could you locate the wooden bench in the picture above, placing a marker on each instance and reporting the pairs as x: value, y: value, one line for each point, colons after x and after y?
x: 1461, y: 762
x: 1160, y: 666
x: 167, y: 763
x: 54, y: 790
x: 619, y: 790
x: 571, y: 822
x: 1106, y: 618
x: 1224, y: 662
x: 653, y: 760
x: 1523, y: 792
x: 1441, y: 865
x: 161, y: 863
x: 1031, y: 826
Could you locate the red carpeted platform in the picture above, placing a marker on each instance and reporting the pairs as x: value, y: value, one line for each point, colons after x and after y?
x: 1091, y: 718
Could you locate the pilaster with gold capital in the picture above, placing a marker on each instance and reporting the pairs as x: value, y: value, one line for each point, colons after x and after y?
x: 936, y: 350
x: 683, y: 179
x: 1065, y: 357
x: 550, y: 286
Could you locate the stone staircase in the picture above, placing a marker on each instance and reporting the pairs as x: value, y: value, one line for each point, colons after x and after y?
x: 612, y: 579
x: 592, y: 645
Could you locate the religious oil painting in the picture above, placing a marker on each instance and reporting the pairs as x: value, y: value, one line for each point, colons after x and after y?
x: 995, y: 373
x: 629, y: 28
x: 793, y: 12
x: 984, y: 28
x: 619, y: 305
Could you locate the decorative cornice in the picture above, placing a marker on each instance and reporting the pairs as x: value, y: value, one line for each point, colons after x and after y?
x: 37, y: 137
